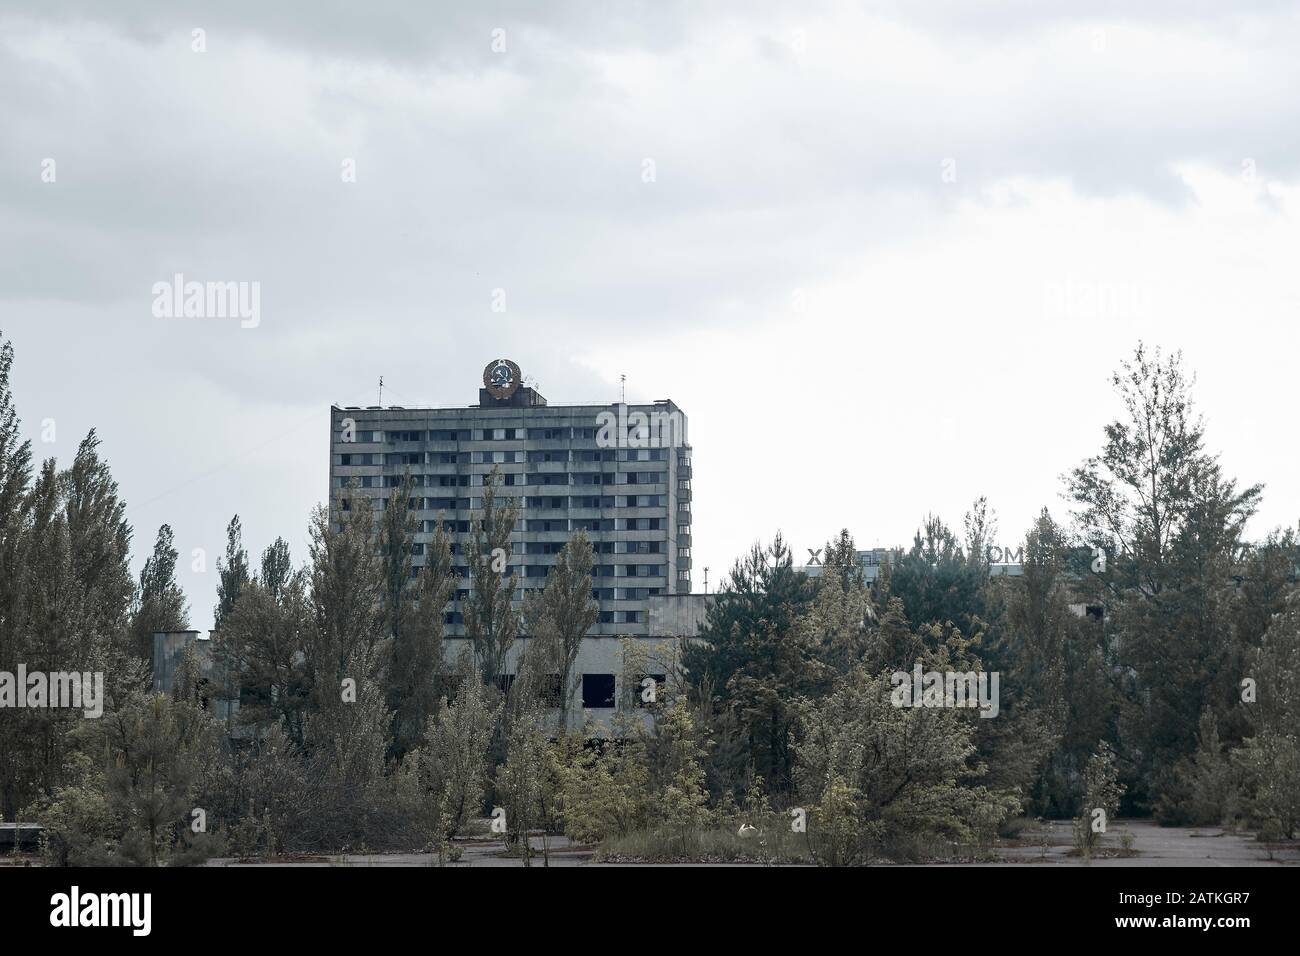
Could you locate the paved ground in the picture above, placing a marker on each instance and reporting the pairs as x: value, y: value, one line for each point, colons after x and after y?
x: 1153, y: 846
x: 474, y: 852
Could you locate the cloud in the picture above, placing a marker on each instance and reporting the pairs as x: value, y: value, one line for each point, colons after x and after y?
x: 635, y: 181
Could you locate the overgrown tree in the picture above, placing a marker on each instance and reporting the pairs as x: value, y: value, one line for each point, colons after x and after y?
x: 454, y: 760
x: 415, y: 603
x: 491, y: 618
x: 1157, y: 505
x: 232, y: 573
x: 753, y: 660
x: 161, y: 604
x: 560, y: 615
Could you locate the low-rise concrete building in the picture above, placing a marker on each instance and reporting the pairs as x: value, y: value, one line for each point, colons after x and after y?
x: 604, y: 665
x: 168, y: 649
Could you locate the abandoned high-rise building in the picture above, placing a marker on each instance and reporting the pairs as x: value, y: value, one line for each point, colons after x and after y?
x: 620, y: 472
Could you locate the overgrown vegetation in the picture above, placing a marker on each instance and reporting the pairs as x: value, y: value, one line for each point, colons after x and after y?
x: 1149, y: 663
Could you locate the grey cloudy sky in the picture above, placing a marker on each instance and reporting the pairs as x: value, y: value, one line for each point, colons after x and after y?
x: 888, y: 255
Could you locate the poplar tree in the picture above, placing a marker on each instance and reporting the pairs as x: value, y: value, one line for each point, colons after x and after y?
x: 15, y: 507
x: 99, y: 545
x: 491, y: 618
x: 161, y: 604
x: 232, y: 573
x: 259, y: 650
x: 346, y: 597
x: 560, y: 615
x: 415, y: 603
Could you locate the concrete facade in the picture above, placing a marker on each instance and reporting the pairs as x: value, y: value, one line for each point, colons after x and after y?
x: 620, y: 472
x: 168, y: 646
x: 603, y: 667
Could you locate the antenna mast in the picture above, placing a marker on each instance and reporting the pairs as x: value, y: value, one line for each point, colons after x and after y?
x: 381, y: 391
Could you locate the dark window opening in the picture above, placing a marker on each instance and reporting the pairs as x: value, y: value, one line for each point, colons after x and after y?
x: 597, y: 690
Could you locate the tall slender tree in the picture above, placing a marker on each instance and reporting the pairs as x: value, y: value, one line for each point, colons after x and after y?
x: 1169, y: 524
x: 560, y: 614
x: 491, y: 618
x: 232, y: 573
x: 161, y: 604
x: 415, y: 602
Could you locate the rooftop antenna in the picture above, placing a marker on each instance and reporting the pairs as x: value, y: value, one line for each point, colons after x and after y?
x: 706, y: 579
x: 381, y: 391
x: 623, y: 386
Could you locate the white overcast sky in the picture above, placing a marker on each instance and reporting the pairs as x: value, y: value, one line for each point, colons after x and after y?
x: 888, y: 258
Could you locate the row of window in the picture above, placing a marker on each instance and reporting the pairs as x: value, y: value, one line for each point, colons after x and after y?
x: 621, y: 617
x: 597, y: 594
x: 476, y: 481
x: 599, y: 571
x: 561, y: 455
x: 599, y: 691
x: 474, y: 434
x: 624, y: 594
x: 593, y: 501
x: 505, y: 458
x: 527, y: 524
x: 594, y: 525
x: 508, y: 457
x: 599, y: 547
x: 555, y: 547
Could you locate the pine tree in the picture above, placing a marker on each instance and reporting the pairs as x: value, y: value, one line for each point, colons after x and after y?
x: 151, y: 776
x: 1271, y: 754
x: 939, y: 581
x: 838, y: 620
x: 1170, y: 523
x: 754, y: 659
x: 1056, y: 687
